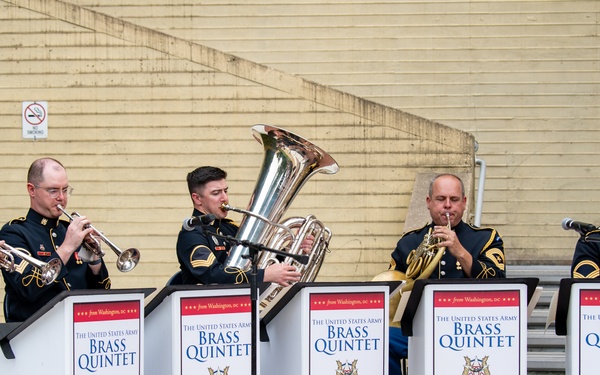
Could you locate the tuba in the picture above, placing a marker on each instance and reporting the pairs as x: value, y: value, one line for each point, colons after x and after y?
x: 289, y: 161
x: 421, y: 263
x: 282, y: 239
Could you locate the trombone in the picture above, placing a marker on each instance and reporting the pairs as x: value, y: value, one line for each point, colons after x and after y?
x: 49, y: 271
x: 126, y: 261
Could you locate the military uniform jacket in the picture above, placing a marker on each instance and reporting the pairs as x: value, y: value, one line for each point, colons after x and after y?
x: 586, y: 258
x: 39, y: 237
x: 484, y: 244
x: 202, y: 255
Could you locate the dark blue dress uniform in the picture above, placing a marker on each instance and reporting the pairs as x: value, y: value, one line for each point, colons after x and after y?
x: 39, y: 237
x: 484, y: 244
x: 586, y: 258
x: 202, y: 256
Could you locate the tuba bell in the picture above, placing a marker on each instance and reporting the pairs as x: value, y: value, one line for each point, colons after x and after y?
x: 289, y: 161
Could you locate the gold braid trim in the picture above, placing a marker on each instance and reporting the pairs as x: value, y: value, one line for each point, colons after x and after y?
x: 241, y: 275
x: 36, y: 276
x: 106, y: 282
x: 486, y: 272
x: 591, y: 275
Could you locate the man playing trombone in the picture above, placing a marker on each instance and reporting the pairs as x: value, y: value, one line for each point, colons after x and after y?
x: 41, y: 235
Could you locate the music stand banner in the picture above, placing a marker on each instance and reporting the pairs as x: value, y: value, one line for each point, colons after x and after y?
x: 589, y: 330
x: 467, y: 327
x: 199, y: 329
x: 84, y: 331
x: 477, y: 331
x: 107, y: 337
x: 329, y: 329
x: 347, y: 332
x: 216, y: 334
x: 578, y: 317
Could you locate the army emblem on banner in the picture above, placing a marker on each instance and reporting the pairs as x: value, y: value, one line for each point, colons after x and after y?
x: 218, y: 371
x: 476, y: 366
x: 346, y: 368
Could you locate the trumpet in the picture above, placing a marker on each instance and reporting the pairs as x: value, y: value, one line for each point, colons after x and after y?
x: 126, y: 260
x: 49, y: 271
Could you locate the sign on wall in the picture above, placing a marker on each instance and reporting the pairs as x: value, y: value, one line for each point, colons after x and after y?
x: 35, y: 119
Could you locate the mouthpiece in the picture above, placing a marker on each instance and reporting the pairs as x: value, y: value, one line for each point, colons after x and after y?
x: 227, y: 207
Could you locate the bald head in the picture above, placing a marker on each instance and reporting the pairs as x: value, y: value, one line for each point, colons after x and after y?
x: 35, y: 175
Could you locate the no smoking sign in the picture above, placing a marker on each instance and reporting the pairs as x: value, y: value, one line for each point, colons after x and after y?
x: 35, y: 120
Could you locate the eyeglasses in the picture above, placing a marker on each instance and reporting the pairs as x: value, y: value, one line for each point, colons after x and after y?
x: 55, y: 193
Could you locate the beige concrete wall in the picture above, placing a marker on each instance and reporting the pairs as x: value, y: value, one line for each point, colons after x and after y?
x: 521, y: 76
x: 132, y: 110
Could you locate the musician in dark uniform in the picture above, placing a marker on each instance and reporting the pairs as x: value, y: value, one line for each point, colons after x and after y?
x: 44, y: 236
x: 471, y: 252
x: 202, y: 255
x: 586, y: 258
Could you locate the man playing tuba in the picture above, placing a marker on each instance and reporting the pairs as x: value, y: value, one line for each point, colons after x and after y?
x: 470, y: 252
x: 202, y: 256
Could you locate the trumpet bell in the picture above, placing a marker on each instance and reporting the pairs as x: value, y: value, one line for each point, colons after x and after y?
x: 128, y: 260
x: 50, y: 271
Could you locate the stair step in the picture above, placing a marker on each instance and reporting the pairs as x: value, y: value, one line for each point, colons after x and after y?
x: 545, y: 362
x: 545, y: 340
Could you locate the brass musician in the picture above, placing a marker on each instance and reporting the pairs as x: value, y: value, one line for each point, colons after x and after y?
x: 43, y: 236
x: 466, y: 251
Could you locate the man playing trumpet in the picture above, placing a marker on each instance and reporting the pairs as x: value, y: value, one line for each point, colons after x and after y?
x: 43, y: 236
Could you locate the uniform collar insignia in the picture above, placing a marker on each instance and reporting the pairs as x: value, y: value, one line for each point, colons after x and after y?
x: 44, y: 221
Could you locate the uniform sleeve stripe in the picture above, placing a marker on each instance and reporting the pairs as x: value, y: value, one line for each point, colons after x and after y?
x: 204, y: 263
x: 595, y: 272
